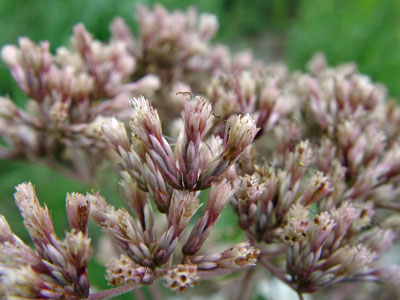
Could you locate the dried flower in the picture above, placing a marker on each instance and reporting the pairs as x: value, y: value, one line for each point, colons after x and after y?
x: 123, y: 271
x: 181, y: 277
x: 121, y: 227
x: 239, y: 134
x: 317, y: 191
x: 183, y: 206
x: 146, y: 125
x: 58, y: 268
x: 220, y: 194
x: 198, y: 119
x: 321, y: 257
x: 239, y: 256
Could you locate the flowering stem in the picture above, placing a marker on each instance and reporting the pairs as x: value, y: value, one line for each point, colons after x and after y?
x: 108, y: 294
x: 247, y: 283
x: 219, y: 272
x: 65, y: 171
x: 300, y: 295
x: 276, y: 272
x: 138, y: 295
x: 154, y: 291
x: 390, y: 206
x: 7, y: 154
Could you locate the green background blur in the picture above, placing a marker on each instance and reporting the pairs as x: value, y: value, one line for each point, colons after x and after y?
x: 364, y: 31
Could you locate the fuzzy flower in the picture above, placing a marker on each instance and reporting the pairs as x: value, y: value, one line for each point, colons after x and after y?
x: 248, y: 193
x: 67, y: 93
x: 196, y: 162
x: 298, y: 160
x: 298, y: 224
x: 27, y: 64
x: 316, y: 194
x: 220, y: 194
x: 239, y: 256
x: 198, y: 120
x: 317, y: 188
x: 121, y: 227
x: 57, y: 269
x: 115, y: 134
x: 146, y: 125
x: 168, y: 41
x: 321, y: 257
x: 109, y: 64
x: 183, y: 206
x: 138, y: 201
x: 240, y: 132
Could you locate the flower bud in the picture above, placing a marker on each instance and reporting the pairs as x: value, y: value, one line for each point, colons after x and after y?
x: 77, y: 207
x: 9, y: 54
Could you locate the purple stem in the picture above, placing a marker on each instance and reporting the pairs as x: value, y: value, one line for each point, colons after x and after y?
x: 108, y: 294
x: 219, y: 272
x: 277, y: 272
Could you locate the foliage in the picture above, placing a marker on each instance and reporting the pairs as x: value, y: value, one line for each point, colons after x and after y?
x: 364, y: 31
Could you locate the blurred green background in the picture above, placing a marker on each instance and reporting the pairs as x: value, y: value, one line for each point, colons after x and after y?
x: 364, y: 31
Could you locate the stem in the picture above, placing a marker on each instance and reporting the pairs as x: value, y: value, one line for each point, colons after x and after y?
x: 276, y: 272
x: 7, y: 153
x: 270, y: 251
x: 138, y: 294
x: 154, y: 291
x: 69, y: 173
x: 221, y: 272
x: 246, y: 288
x: 390, y: 206
x: 300, y: 295
x: 108, y: 294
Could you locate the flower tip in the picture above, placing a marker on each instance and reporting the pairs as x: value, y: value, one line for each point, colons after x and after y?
x: 24, y: 191
x: 239, y: 133
x: 9, y: 54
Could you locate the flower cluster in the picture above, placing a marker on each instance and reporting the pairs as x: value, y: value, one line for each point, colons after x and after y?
x: 57, y: 269
x: 324, y: 250
x: 197, y: 161
x: 310, y: 163
x: 330, y: 179
x: 256, y: 91
x: 172, y: 179
x: 145, y: 254
x: 70, y: 94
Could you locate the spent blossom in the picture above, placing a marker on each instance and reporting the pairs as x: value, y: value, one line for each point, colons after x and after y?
x: 57, y: 269
x: 310, y: 162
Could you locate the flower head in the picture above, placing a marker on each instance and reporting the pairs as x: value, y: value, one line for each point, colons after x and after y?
x: 240, y: 131
x: 59, y: 268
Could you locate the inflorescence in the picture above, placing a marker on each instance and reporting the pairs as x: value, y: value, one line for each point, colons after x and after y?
x: 310, y: 163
